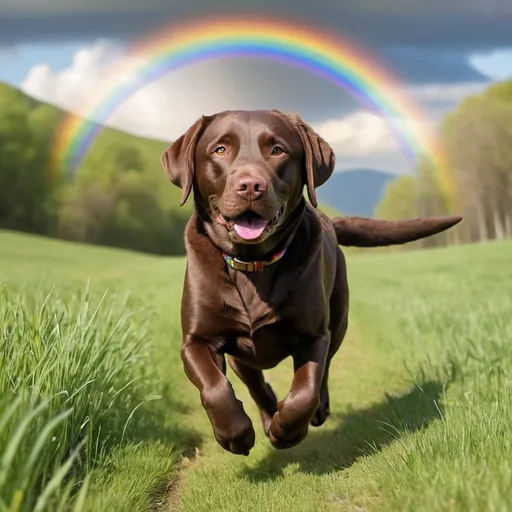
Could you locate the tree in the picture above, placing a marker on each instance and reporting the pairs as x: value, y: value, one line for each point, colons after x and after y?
x: 399, y: 199
x: 400, y: 202
x: 478, y: 138
x: 24, y: 188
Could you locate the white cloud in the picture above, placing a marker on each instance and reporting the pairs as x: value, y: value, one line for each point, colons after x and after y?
x: 165, y: 108
x: 364, y: 139
x: 74, y: 87
x: 496, y: 65
x: 358, y: 134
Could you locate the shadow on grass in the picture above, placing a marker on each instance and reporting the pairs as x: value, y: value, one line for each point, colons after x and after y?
x: 357, y: 433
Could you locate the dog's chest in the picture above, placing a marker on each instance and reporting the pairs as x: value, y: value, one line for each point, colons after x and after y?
x: 267, y: 347
x: 266, y: 335
x: 256, y: 299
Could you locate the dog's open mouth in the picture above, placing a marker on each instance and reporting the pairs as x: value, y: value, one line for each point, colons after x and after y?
x: 250, y: 225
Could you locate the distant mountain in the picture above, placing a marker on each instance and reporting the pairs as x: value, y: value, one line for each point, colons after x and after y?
x: 355, y: 192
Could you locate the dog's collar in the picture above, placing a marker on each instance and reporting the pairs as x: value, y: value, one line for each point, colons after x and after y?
x: 251, y: 266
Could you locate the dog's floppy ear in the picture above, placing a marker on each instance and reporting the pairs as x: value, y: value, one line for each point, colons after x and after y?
x: 318, y: 155
x: 178, y: 159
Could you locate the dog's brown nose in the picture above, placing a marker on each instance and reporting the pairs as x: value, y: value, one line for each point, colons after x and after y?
x: 250, y: 187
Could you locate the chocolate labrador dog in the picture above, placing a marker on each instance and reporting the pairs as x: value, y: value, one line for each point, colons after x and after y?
x: 265, y: 278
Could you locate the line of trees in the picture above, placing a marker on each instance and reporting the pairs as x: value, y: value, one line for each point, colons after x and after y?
x: 119, y: 196
x: 477, y: 141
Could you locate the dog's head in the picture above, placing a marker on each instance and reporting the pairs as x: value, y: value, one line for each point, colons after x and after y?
x: 248, y: 170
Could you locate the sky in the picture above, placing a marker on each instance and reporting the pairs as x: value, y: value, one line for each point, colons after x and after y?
x: 64, y: 52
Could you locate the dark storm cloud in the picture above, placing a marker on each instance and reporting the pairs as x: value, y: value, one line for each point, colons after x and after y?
x: 454, y: 23
x: 419, y: 65
x: 424, y: 41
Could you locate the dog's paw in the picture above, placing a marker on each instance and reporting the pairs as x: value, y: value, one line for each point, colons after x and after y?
x: 282, y: 436
x: 231, y: 425
x: 238, y: 440
x: 322, y: 413
x: 320, y: 416
x: 283, y: 440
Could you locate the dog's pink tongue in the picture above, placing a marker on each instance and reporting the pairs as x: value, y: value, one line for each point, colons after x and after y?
x: 250, y: 229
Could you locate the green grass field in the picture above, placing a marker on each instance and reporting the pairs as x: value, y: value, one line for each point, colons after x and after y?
x: 96, y: 413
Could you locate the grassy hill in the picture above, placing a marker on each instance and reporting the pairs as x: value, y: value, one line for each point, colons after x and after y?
x: 108, y: 143
x: 420, y: 398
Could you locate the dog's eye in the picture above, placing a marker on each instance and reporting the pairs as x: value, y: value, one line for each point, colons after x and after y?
x: 276, y: 151
x: 220, y: 150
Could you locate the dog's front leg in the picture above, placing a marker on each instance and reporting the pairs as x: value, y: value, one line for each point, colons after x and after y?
x: 290, y: 423
x: 232, y: 427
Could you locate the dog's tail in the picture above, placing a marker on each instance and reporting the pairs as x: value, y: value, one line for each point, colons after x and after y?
x: 365, y: 232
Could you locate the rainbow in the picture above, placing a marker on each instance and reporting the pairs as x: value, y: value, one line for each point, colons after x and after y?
x: 336, y: 60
